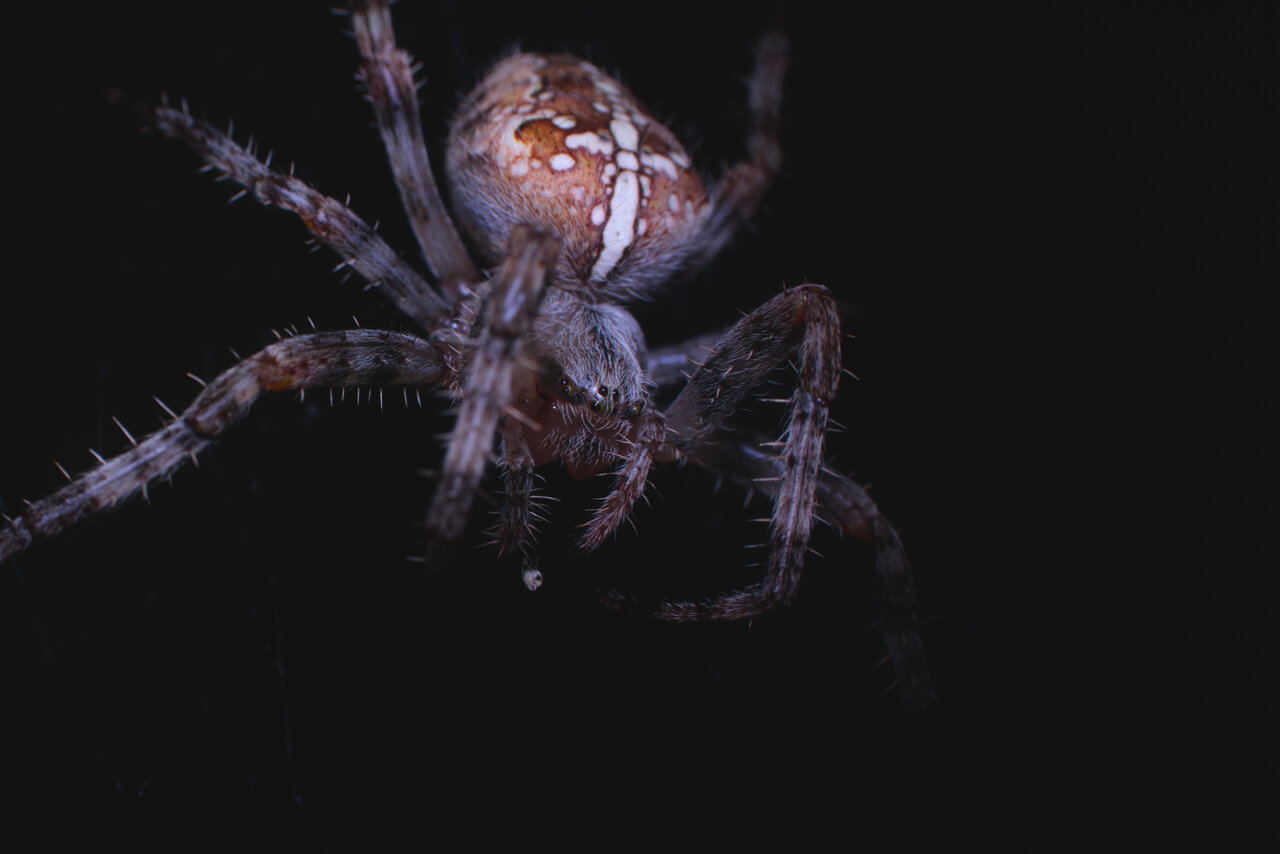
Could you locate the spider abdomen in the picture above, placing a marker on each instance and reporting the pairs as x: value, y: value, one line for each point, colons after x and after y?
x: 552, y: 141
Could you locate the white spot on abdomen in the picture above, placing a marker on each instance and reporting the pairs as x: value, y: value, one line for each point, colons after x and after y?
x: 619, y: 231
x: 624, y: 133
x: 660, y: 164
x: 593, y: 142
x: 561, y: 162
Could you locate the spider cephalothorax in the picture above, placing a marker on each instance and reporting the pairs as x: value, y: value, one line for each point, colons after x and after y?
x: 578, y: 202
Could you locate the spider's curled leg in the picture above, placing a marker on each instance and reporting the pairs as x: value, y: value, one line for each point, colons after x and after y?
x: 848, y: 508
x: 805, y: 318
x: 357, y: 357
x: 334, y: 223
x: 512, y: 303
x: 387, y: 74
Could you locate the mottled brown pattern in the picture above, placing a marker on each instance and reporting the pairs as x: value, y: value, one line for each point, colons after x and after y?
x: 500, y: 159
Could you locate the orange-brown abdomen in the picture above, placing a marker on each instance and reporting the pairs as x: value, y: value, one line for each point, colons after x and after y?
x: 552, y: 141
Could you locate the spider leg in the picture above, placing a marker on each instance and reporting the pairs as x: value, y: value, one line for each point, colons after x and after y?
x: 516, y: 293
x: 735, y: 199
x: 387, y: 74
x: 673, y: 365
x: 630, y: 484
x: 336, y: 225
x: 850, y: 510
x: 356, y: 357
x: 803, y: 317
x: 516, y: 523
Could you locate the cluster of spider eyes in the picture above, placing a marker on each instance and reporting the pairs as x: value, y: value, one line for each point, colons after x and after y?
x: 605, y: 404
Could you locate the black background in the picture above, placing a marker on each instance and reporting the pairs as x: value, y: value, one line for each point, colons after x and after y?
x: 250, y: 658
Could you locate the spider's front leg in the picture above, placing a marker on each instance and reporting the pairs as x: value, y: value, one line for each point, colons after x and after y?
x: 803, y: 318
x: 352, y: 358
x: 509, y: 310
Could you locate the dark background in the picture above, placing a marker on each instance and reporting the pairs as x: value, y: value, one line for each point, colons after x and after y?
x: 250, y: 658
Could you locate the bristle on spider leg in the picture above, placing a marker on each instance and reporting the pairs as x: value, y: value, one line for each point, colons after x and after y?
x: 127, y: 434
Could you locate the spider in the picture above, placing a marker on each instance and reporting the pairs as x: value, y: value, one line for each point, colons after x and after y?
x: 578, y: 202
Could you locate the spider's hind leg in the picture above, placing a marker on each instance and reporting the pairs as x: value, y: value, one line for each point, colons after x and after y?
x: 737, y: 196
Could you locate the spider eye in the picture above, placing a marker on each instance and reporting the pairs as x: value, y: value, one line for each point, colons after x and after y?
x: 633, y: 411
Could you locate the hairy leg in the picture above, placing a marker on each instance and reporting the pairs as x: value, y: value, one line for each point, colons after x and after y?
x: 336, y: 225
x: 851, y: 511
x: 674, y: 364
x: 387, y: 73
x: 517, y: 521
x: 516, y: 293
x: 632, y: 479
x: 737, y: 196
x: 357, y: 357
x: 805, y: 318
